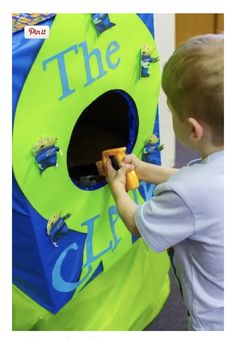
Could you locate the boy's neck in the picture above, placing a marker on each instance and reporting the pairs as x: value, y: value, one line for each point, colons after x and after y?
x: 209, y: 149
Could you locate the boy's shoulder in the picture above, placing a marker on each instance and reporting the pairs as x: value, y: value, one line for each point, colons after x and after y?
x: 201, y: 188
x: 199, y: 184
x: 201, y: 172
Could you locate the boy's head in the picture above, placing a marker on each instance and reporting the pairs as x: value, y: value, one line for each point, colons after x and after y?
x: 193, y: 80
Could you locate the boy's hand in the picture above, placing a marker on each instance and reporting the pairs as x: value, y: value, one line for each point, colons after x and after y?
x: 137, y: 164
x: 117, y: 178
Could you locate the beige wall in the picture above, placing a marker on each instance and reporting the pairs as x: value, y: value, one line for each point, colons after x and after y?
x: 165, y: 41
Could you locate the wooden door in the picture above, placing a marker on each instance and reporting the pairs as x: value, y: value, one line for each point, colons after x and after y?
x: 186, y: 26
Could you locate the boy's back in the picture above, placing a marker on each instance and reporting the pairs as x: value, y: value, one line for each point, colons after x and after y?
x: 195, y: 223
x: 202, y: 255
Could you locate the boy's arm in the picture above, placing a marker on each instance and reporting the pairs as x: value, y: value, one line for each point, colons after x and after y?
x: 153, y: 173
x: 126, y: 207
x: 149, y: 172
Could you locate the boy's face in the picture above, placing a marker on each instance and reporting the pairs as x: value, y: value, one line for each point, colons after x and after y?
x: 193, y: 133
x: 181, y: 128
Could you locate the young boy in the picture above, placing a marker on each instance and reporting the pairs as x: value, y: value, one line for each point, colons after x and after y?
x: 187, y: 209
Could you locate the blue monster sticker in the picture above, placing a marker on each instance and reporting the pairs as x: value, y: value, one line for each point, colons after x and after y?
x: 102, y: 22
x: 151, y: 150
x: 146, y: 58
x: 57, y: 228
x: 45, y: 153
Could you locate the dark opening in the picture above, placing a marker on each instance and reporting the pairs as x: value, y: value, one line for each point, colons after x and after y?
x: 108, y: 122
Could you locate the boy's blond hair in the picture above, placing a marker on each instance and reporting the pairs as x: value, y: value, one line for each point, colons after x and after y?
x: 193, y: 80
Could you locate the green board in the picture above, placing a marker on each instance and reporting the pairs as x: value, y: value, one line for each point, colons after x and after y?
x: 50, y: 106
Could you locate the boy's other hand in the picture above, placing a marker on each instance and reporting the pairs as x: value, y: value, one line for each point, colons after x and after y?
x: 118, y: 178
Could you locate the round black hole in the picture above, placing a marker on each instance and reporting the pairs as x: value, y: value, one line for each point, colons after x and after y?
x: 110, y: 121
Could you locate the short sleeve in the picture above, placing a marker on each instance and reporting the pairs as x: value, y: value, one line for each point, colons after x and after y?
x: 164, y: 221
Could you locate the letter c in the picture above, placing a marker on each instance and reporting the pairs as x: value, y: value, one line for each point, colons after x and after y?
x: 58, y: 283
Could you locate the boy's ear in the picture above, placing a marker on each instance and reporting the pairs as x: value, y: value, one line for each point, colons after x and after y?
x: 197, y: 129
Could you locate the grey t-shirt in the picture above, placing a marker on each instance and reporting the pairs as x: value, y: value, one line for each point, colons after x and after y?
x: 187, y: 212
